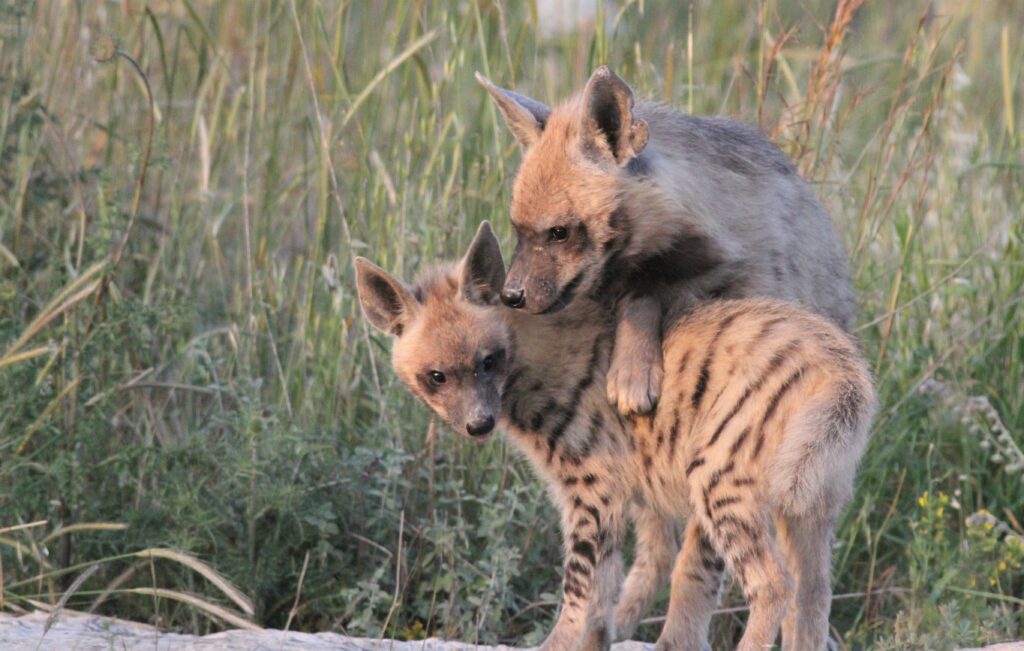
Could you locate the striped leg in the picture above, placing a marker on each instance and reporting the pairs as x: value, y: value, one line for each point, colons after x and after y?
x: 600, y: 629
x: 807, y: 545
x: 593, y: 573
x: 740, y: 531
x: 750, y: 551
x: 696, y: 581
x: 656, y: 548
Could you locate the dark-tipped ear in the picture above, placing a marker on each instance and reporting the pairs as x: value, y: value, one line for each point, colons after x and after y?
x: 483, y: 271
x: 386, y: 302
x: 525, y: 117
x: 608, y: 125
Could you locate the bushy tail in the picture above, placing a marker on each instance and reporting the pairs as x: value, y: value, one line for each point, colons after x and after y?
x: 822, y: 445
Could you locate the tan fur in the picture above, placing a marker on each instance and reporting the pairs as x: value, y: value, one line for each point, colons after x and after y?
x: 659, y: 207
x: 764, y: 416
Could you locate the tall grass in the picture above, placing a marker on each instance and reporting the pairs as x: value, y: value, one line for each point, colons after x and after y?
x: 211, y: 385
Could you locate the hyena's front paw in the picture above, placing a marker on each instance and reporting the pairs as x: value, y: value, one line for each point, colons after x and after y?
x: 635, y: 598
x: 561, y: 640
x: 668, y: 646
x: 597, y: 639
x: 627, y: 617
x: 634, y: 382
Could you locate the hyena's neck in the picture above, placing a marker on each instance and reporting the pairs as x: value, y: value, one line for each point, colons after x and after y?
x: 553, y: 402
x: 661, y: 240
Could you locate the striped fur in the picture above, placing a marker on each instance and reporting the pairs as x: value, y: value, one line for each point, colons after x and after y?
x: 658, y: 207
x: 753, y: 446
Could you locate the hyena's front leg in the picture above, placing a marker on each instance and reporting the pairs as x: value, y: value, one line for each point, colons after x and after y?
x: 634, y: 377
x: 657, y: 543
x: 593, y: 573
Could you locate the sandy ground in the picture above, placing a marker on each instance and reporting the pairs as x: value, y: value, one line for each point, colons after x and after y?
x: 78, y: 632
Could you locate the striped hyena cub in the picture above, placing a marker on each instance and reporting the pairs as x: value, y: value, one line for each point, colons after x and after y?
x: 643, y: 208
x: 637, y: 205
x: 764, y: 417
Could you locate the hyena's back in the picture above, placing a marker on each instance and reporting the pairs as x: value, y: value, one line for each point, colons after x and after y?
x: 766, y: 399
x: 774, y: 236
x: 765, y: 414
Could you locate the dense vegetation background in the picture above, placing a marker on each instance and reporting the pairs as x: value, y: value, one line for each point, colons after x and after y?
x: 191, y: 403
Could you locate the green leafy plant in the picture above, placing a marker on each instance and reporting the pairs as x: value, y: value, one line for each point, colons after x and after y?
x: 182, y: 355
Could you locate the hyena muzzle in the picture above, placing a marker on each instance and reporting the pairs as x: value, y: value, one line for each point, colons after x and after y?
x: 754, y: 444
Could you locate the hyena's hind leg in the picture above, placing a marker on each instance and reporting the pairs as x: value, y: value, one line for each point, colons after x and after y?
x: 696, y: 582
x: 806, y: 542
x: 813, y: 479
x: 657, y: 543
x: 741, y: 532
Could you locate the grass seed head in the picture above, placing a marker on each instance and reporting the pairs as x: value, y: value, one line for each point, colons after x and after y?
x: 104, y: 49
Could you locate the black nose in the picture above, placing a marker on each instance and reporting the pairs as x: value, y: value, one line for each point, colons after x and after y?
x: 515, y: 298
x: 481, y: 427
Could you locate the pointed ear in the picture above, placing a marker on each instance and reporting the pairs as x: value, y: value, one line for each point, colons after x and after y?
x: 608, y: 125
x: 386, y: 302
x: 525, y: 117
x: 483, y: 271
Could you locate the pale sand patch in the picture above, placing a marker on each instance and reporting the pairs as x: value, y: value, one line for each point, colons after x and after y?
x: 80, y: 632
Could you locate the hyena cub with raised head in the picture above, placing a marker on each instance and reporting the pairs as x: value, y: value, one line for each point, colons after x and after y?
x: 765, y: 416
x: 637, y: 205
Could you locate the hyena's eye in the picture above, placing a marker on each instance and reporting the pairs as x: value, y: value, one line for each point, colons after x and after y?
x: 488, y: 363
x: 559, y: 234
x: 437, y: 377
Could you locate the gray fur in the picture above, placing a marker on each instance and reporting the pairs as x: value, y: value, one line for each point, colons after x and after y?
x: 732, y: 183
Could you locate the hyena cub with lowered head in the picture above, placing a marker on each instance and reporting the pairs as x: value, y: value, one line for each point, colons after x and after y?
x: 638, y: 205
x: 765, y: 415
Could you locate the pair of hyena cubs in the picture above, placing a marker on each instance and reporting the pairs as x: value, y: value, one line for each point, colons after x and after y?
x: 742, y: 417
